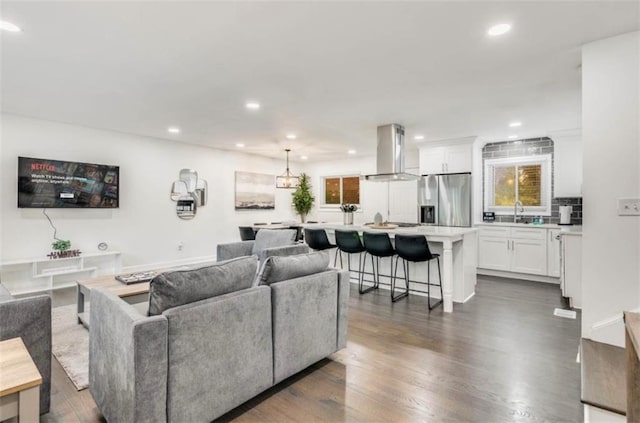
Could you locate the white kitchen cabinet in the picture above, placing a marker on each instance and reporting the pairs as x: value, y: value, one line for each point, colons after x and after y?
x: 494, y: 253
x: 567, y: 164
x: 529, y: 256
x: 553, y: 253
x: 403, y: 201
x: 513, y: 249
x: 571, y: 276
x: 446, y: 159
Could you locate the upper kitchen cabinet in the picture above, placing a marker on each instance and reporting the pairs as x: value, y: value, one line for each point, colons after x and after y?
x: 567, y: 166
x: 447, y: 156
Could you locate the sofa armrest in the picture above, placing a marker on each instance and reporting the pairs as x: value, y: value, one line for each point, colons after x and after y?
x: 234, y: 249
x: 287, y: 250
x: 127, y: 360
x: 30, y: 319
x: 220, y: 354
x: 344, y: 285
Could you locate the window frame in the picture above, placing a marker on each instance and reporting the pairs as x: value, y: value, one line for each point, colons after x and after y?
x: 546, y: 162
x: 323, y: 183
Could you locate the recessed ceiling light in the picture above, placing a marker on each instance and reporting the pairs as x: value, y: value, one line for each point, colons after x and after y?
x: 173, y: 129
x: 515, y: 124
x: 418, y: 137
x: 240, y: 145
x: 513, y: 137
x: 8, y: 26
x: 499, y: 29
x: 252, y: 105
x: 303, y: 157
x: 352, y: 151
x: 291, y: 136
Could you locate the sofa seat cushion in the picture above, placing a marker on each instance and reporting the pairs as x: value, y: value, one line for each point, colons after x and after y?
x: 171, y: 289
x: 282, y: 268
x: 269, y: 238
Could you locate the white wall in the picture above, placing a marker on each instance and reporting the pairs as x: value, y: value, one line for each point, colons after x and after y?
x: 611, y: 250
x: 145, y: 228
x: 374, y: 196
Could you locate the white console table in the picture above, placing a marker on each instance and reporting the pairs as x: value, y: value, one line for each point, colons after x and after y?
x: 42, y: 274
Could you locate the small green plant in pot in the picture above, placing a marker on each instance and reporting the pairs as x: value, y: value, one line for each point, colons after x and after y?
x: 61, y: 245
x: 302, y: 197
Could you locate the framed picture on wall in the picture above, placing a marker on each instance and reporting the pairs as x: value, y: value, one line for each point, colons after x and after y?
x: 255, y: 191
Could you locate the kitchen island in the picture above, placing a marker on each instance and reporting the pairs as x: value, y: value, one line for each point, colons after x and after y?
x: 456, y: 246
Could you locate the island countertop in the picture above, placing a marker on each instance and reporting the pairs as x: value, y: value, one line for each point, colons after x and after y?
x: 457, y: 247
x: 433, y: 233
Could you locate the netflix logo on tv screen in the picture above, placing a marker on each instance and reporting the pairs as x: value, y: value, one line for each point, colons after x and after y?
x: 58, y: 184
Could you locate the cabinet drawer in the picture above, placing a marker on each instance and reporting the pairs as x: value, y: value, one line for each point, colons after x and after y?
x: 493, y: 232
x: 529, y: 233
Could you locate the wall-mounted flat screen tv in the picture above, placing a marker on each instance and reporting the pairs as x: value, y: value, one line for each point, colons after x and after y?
x: 44, y: 183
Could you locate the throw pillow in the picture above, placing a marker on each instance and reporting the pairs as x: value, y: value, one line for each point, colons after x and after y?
x: 174, y: 288
x: 280, y: 268
x: 269, y: 238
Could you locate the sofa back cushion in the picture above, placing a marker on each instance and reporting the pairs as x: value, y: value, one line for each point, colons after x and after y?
x: 269, y: 238
x: 282, y: 268
x: 171, y: 289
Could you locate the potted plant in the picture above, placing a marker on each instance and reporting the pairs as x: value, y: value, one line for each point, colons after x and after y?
x: 348, y: 210
x: 61, y: 245
x: 302, y: 197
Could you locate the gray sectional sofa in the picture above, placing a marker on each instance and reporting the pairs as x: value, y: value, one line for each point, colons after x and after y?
x: 30, y: 319
x: 214, y: 338
x: 268, y: 243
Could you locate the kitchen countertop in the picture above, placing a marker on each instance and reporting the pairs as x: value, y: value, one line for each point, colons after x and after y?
x: 433, y: 233
x: 564, y: 229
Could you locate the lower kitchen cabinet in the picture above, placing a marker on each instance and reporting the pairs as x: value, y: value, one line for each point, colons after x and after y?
x: 571, y: 279
x: 553, y: 253
x: 529, y: 256
x: 494, y: 253
x: 511, y: 249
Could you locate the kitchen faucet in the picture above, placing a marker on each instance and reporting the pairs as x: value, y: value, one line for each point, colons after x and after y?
x: 515, y: 210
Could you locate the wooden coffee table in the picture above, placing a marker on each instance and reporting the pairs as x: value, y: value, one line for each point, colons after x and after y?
x: 134, y: 292
x: 19, y: 384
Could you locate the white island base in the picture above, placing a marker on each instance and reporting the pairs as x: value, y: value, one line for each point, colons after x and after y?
x: 458, y: 261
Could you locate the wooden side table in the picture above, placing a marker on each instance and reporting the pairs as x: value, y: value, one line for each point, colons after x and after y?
x: 20, y: 383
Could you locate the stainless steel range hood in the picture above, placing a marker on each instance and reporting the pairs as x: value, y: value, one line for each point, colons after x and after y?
x: 390, y: 156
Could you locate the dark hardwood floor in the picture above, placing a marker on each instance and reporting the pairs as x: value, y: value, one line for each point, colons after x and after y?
x: 501, y: 357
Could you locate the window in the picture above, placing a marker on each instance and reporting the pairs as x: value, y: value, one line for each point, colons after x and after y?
x: 341, y: 189
x: 524, y: 179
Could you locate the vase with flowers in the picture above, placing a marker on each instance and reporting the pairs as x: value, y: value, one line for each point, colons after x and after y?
x: 347, y: 213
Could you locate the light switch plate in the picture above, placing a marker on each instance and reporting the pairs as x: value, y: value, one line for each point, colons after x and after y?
x: 628, y: 206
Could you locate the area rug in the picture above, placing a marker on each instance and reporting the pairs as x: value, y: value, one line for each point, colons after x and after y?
x: 70, y: 344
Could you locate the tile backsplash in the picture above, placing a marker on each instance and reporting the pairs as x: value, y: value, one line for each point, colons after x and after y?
x: 532, y: 147
x: 576, y: 215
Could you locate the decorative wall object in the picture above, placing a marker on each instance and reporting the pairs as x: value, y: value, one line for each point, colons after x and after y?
x: 255, y: 191
x: 189, y: 192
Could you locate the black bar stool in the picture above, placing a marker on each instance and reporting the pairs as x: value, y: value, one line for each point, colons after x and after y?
x: 415, y: 248
x: 247, y: 233
x: 317, y: 239
x: 349, y: 242
x: 378, y: 245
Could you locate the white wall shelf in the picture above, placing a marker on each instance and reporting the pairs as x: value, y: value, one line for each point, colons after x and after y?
x: 43, y: 274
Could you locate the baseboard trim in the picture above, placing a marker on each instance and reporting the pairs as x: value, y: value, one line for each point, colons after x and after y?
x: 522, y: 276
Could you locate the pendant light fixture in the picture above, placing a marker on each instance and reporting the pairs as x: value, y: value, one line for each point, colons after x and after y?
x: 287, y: 179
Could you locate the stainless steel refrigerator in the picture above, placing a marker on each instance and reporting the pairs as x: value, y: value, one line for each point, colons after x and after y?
x: 445, y: 200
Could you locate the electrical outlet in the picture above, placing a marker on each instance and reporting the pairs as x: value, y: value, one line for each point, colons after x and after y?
x: 628, y: 206
x: 180, y: 245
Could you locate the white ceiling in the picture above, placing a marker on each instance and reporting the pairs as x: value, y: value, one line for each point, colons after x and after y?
x: 328, y: 71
